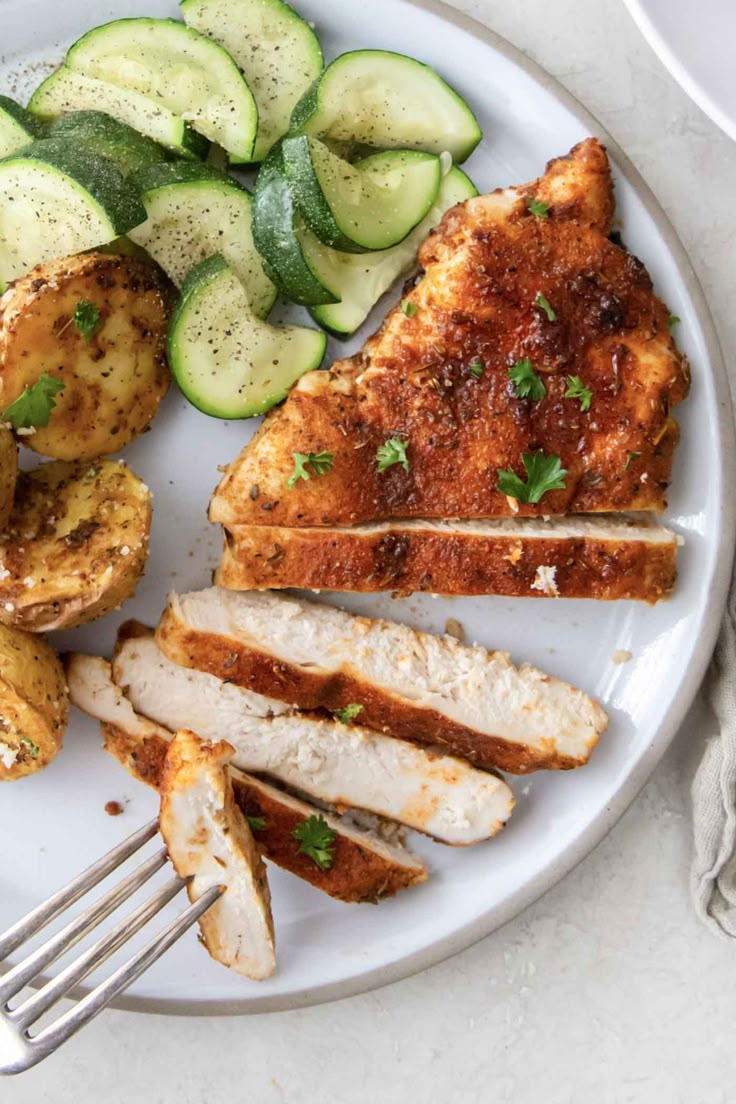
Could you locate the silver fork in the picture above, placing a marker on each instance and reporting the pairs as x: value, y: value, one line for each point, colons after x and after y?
x: 18, y: 1049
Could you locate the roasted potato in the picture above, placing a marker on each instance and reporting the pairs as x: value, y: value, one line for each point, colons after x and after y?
x: 8, y: 473
x: 75, y: 546
x: 33, y: 704
x: 114, y: 372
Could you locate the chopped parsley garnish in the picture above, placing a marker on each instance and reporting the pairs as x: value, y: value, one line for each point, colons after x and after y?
x: 256, y: 823
x: 349, y: 713
x: 536, y: 207
x: 576, y: 389
x: 392, y: 451
x: 33, y: 749
x: 543, y: 303
x: 319, y: 462
x: 544, y: 473
x: 527, y: 383
x: 631, y: 458
x: 409, y: 308
x: 672, y: 321
x: 477, y: 367
x: 316, y: 839
x: 86, y: 318
x: 32, y: 409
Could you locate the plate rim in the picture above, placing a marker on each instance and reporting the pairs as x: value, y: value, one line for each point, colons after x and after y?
x: 675, y: 67
x: 496, y: 917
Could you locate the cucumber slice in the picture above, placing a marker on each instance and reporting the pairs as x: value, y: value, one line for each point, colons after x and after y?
x: 371, y: 205
x: 180, y: 69
x: 57, y: 199
x: 277, y: 232
x: 360, y: 281
x: 229, y: 363
x: 193, y: 212
x: 388, y: 101
x: 277, y: 51
x: 18, y: 128
x: 128, y: 150
x: 66, y: 91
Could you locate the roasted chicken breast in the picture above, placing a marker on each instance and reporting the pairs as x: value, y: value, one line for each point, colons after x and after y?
x: 209, y: 843
x: 425, y: 688
x: 368, y: 863
x: 342, y: 765
x: 501, y: 285
x: 599, y: 556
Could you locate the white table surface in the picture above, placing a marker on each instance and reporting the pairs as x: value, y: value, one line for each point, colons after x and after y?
x: 607, y: 990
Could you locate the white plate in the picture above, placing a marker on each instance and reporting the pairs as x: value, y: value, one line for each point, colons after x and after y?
x: 696, y: 42
x: 50, y: 826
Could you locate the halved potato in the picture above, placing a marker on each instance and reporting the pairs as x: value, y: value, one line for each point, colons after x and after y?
x: 114, y: 378
x: 33, y: 704
x: 8, y: 473
x: 75, y: 546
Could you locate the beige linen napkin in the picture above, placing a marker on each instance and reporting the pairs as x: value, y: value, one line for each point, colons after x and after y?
x: 713, y: 876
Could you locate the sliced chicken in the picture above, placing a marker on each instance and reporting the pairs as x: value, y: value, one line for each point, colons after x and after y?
x: 210, y: 843
x: 601, y: 556
x: 421, y: 687
x: 91, y: 689
x: 343, y: 765
x: 368, y: 863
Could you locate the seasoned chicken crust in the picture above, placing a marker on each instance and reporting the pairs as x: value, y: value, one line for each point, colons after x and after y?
x: 477, y: 303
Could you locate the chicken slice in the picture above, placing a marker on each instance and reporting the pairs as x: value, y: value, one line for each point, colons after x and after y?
x: 343, y: 765
x: 369, y: 862
x: 430, y: 689
x: 210, y: 843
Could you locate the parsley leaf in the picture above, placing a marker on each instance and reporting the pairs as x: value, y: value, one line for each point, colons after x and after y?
x: 477, y: 367
x: 256, y: 823
x: 32, y: 409
x: 409, y: 308
x: 33, y: 749
x: 320, y: 463
x: 544, y: 473
x: 392, y: 451
x: 349, y: 713
x: 576, y: 389
x: 86, y: 318
x: 630, y: 459
x: 316, y: 839
x: 672, y: 321
x: 536, y: 207
x: 527, y: 383
x: 543, y: 303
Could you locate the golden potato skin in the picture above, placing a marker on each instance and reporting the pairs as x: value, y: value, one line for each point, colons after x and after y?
x: 33, y: 704
x: 75, y: 546
x: 8, y: 473
x: 115, y: 381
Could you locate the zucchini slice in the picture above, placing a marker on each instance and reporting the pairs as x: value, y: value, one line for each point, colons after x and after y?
x: 128, y: 150
x: 18, y: 128
x: 278, y: 231
x: 181, y: 70
x: 229, y: 363
x: 371, y: 205
x: 195, y: 211
x: 360, y: 281
x: 277, y: 51
x: 388, y: 101
x: 57, y: 199
x: 66, y: 91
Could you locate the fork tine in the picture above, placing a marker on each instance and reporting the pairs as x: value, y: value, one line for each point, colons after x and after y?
x: 44, y: 913
x: 58, y: 1032
x: 19, y: 976
x: 32, y: 1009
